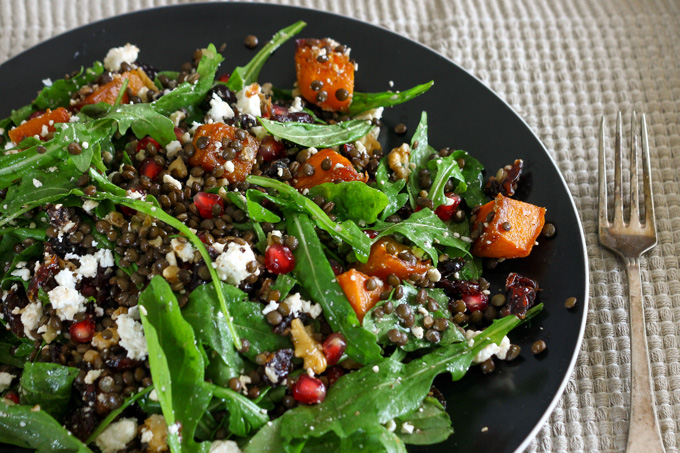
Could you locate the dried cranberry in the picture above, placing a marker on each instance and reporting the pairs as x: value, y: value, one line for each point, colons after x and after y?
x: 309, y: 390
x: 476, y: 301
x: 279, y: 365
x: 333, y: 374
x: 82, y: 422
x: 83, y: 331
x: 278, y: 259
x: 507, y: 185
x: 37, y: 114
x: 150, y: 168
x: 371, y: 233
x: 271, y: 149
x: 15, y: 299
x: 205, y: 202
x: 122, y: 362
x: 456, y: 288
x: 447, y: 211
x: 521, y: 295
x: 450, y: 266
x: 333, y: 347
x: 12, y: 396
x: 143, y: 143
x: 44, y: 274
x: 336, y: 266
x: 179, y: 133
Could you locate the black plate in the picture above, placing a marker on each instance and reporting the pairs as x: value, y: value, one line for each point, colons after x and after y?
x: 499, y: 412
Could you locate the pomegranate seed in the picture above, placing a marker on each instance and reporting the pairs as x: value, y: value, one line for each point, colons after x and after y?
x: 143, y: 143
x: 150, y: 168
x: 204, y: 203
x: 333, y: 347
x: 36, y: 114
x: 278, y: 110
x: 309, y: 390
x: 337, y: 267
x: 279, y: 259
x: 333, y: 374
x: 83, y: 331
x: 476, y: 301
x: 446, y: 212
x: 224, y: 78
x: 12, y: 396
x: 371, y: 233
x: 271, y: 149
x: 179, y: 133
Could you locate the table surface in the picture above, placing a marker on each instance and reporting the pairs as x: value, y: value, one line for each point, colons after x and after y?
x: 561, y: 65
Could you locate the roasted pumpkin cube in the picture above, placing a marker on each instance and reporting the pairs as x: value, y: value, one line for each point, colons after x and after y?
x: 509, y: 228
x: 210, y: 151
x: 39, y: 125
x: 353, y: 284
x: 389, y: 256
x: 340, y: 168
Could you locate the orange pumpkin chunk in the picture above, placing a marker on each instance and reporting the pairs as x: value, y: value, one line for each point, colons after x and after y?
x: 108, y: 93
x: 34, y: 126
x: 382, y: 263
x: 210, y: 154
x: 512, y: 231
x: 341, y: 168
x: 353, y: 283
x: 325, y: 75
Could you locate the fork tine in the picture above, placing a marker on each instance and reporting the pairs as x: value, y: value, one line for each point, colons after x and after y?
x: 618, y: 165
x: 602, y: 178
x: 647, y: 178
x: 634, y: 192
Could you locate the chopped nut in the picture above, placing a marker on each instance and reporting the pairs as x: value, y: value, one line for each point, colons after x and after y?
x: 307, y: 348
x: 398, y: 160
x: 154, y: 433
x: 100, y: 342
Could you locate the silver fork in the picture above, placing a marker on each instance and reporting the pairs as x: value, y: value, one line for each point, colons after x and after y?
x: 630, y: 239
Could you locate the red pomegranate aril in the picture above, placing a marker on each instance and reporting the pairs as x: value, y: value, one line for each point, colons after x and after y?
x: 271, y: 149
x: 278, y: 259
x: 36, y: 114
x: 179, y: 133
x: 333, y: 374
x: 150, y: 168
x: 143, y: 143
x: 371, y: 233
x: 309, y: 390
x: 224, y: 78
x: 279, y: 110
x: 12, y: 396
x: 83, y: 331
x: 337, y: 267
x: 476, y: 301
x: 333, y: 347
x: 205, y: 202
x: 446, y: 212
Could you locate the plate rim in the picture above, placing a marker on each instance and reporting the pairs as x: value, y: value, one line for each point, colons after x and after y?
x: 586, y: 270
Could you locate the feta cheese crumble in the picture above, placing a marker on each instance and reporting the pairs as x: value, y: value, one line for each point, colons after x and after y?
x: 183, y: 250
x: 65, y: 299
x: 30, y: 318
x: 172, y: 148
x: 118, y: 55
x: 248, y: 100
x: 37, y: 183
x: 407, y: 428
x: 224, y: 446
x: 232, y: 262
x: 499, y: 350
x: 92, y: 376
x: 297, y: 305
x: 117, y: 435
x: 132, y: 336
x: 220, y: 110
x: 167, y: 179
x: 5, y: 380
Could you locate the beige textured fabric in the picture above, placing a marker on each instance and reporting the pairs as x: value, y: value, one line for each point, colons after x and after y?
x: 561, y: 65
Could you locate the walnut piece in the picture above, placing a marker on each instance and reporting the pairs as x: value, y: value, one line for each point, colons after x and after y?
x: 398, y: 160
x: 307, y: 348
x: 154, y: 433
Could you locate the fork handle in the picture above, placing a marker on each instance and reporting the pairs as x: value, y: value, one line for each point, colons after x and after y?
x: 644, y: 435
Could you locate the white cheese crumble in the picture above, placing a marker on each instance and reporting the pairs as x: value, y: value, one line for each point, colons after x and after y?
x: 177, y: 116
x: 119, y: 55
x: 407, y: 428
x: 117, y: 435
x: 499, y: 350
x: 147, y: 435
x: 172, y: 148
x: 153, y: 395
x: 21, y: 271
x: 132, y: 336
x: 296, y: 106
x: 224, y: 446
x: 65, y: 299
x: 229, y: 166
x: 271, y: 306
x: 37, y: 183
x: 183, y: 250
x: 391, y: 426
x: 30, y: 317
x: 47, y: 82
x: 167, y: 179
x: 5, y: 380
x: 92, y: 376
x: 417, y: 332
x: 89, y: 205
x: 232, y: 262
x: 371, y: 114
x: 248, y: 100
x: 220, y: 110
x: 297, y: 304
x: 259, y: 131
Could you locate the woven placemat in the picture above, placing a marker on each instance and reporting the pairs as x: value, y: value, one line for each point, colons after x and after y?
x: 562, y: 66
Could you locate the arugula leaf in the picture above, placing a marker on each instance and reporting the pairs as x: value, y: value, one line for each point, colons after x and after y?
x: 47, y: 384
x: 21, y: 426
x: 367, y: 101
x: 144, y: 120
x: 189, y: 95
x: 318, y: 135
x: 251, y: 324
x: 445, y: 168
x: 284, y: 284
x: 387, y: 322
x: 366, y: 397
x: 210, y: 328
x: 354, y: 200
x: 14, y: 350
x: 316, y: 277
x: 391, y: 189
x: 418, y: 159
x: 430, y: 421
x: 373, y: 439
x: 116, y: 412
x: 256, y: 211
x: 244, y: 415
x: 245, y: 75
x: 425, y: 229
x: 289, y: 198
x: 30, y: 162
x: 472, y: 172
x: 267, y: 440
x: 177, y: 366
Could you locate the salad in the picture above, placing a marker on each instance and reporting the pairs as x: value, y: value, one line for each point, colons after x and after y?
x: 199, y: 261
